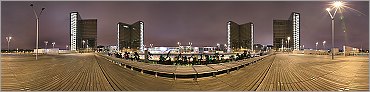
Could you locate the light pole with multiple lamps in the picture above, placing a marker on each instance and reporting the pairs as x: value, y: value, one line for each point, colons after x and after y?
x: 37, y: 27
x: 337, y: 5
x: 8, y: 40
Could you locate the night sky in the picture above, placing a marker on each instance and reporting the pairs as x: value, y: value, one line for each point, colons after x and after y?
x: 166, y: 23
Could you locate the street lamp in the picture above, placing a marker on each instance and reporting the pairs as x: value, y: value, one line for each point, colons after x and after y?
x: 151, y: 45
x: 8, y: 39
x: 66, y: 47
x: 288, y: 43
x: 337, y: 5
x: 282, y: 44
x: 218, y: 46
x: 323, y: 43
x: 53, y: 44
x: 37, y: 28
x: 178, y: 43
x: 316, y: 44
x: 83, y: 44
x: 46, y: 44
x: 225, y: 47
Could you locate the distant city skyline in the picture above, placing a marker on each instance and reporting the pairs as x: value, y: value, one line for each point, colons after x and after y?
x: 166, y: 23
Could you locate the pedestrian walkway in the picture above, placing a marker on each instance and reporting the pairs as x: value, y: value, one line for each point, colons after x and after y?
x: 91, y: 72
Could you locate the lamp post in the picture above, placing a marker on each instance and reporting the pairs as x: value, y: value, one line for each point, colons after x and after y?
x: 8, y: 40
x: 337, y: 5
x: 66, y: 47
x: 323, y: 43
x: 178, y: 43
x: 225, y: 47
x: 288, y: 43
x: 37, y: 28
x: 83, y: 44
x: 316, y: 45
x: 46, y: 44
x: 218, y: 46
x: 282, y: 44
x: 53, y: 44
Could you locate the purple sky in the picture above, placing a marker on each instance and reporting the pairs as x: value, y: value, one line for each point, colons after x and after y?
x: 166, y: 23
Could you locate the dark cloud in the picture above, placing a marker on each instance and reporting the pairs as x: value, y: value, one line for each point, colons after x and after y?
x: 166, y: 23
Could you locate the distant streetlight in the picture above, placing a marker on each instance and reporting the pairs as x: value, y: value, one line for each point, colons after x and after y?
x: 303, y: 47
x: 323, y: 43
x: 66, y: 47
x: 53, y: 44
x: 8, y: 40
x: 37, y: 27
x: 317, y: 44
x: 46, y: 44
x: 282, y: 44
x: 288, y: 43
x: 83, y: 44
x: 178, y: 43
x: 336, y: 5
x: 151, y: 45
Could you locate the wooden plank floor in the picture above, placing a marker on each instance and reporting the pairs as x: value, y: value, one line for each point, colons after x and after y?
x: 90, y: 72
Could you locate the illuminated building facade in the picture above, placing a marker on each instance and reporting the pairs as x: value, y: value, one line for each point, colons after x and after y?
x: 83, y: 33
x: 130, y: 36
x: 282, y: 29
x: 240, y: 36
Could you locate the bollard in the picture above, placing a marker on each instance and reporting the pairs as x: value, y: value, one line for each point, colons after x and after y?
x: 142, y: 71
x: 174, y: 76
x: 156, y: 74
x: 195, y: 76
x: 213, y: 74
